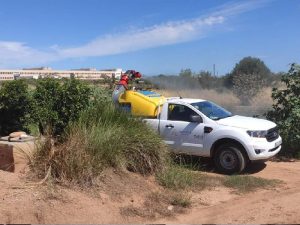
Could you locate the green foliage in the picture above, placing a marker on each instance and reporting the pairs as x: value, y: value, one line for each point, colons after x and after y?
x: 286, y: 110
x: 248, y: 77
x: 56, y: 104
x: 46, y: 97
x: 251, y: 65
x: 102, y: 137
x: 15, y: 106
x: 176, y: 177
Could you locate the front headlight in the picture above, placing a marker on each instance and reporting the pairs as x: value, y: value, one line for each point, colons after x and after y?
x: 257, y: 133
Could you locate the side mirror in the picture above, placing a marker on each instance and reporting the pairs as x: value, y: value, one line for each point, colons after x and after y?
x: 196, y: 119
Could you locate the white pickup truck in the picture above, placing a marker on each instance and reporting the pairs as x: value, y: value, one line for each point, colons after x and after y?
x: 202, y: 128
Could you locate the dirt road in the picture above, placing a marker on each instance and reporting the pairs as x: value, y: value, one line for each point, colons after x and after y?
x: 23, y: 203
x: 281, y: 205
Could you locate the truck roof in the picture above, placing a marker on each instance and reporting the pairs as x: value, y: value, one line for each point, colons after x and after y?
x: 184, y: 100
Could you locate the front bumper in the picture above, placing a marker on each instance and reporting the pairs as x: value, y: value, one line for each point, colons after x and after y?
x: 261, y: 149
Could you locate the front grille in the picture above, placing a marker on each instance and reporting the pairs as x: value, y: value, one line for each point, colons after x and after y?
x: 272, y: 134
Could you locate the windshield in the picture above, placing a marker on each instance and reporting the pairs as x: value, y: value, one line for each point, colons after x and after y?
x: 211, y: 110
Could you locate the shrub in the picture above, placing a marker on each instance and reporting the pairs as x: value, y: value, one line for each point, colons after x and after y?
x: 102, y: 137
x: 286, y: 110
x: 56, y: 104
x: 15, y: 104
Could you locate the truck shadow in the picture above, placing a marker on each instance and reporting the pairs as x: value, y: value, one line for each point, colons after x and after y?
x: 204, y: 164
x: 254, y: 167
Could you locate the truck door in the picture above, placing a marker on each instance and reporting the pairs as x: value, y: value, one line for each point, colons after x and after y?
x: 180, y: 132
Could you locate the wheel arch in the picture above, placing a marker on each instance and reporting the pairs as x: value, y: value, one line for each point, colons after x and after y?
x: 222, y: 141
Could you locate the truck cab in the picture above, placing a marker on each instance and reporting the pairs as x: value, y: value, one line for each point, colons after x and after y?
x: 202, y: 128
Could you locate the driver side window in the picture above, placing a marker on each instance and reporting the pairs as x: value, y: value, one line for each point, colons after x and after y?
x: 180, y: 113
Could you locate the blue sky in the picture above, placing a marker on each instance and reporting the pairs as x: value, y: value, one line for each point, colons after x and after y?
x: 152, y: 36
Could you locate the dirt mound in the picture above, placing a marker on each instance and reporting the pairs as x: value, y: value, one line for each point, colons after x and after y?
x: 27, y: 202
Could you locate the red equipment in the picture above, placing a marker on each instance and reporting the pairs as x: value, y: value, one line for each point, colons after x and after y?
x: 129, y: 75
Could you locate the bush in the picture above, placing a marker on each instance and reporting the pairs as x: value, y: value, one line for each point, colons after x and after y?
x: 15, y: 105
x: 102, y: 137
x: 58, y: 103
x: 286, y: 111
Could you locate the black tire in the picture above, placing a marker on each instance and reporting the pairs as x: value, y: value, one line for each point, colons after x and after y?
x: 229, y: 159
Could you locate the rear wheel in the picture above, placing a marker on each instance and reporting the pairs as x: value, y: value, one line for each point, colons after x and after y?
x: 229, y: 159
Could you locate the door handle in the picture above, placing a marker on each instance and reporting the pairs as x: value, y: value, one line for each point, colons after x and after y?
x: 169, y: 126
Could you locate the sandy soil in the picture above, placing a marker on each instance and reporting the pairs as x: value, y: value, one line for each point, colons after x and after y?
x: 23, y: 201
x: 279, y: 205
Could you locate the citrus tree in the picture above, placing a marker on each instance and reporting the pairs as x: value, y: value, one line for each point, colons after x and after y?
x: 286, y: 110
x: 15, y: 105
x: 56, y: 103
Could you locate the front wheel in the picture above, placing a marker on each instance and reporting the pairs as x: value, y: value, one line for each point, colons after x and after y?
x: 229, y: 159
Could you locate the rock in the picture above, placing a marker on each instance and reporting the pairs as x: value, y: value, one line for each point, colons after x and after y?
x: 170, y: 207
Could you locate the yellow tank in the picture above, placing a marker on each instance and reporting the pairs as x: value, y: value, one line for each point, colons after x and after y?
x: 142, y: 103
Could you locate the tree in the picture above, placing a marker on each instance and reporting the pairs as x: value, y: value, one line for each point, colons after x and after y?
x: 186, y: 73
x: 205, y: 79
x: 248, y: 77
x: 251, y: 65
x: 55, y: 104
x: 15, y: 105
x: 286, y: 110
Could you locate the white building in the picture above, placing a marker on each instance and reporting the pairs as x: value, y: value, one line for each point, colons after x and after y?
x: 6, y: 77
x: 36, y: 73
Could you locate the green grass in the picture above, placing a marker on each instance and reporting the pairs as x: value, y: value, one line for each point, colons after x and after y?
x: 246, y: 183
x: 102, y: 137
x: 177, y: 177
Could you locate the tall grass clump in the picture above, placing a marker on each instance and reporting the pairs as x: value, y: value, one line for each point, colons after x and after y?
x: 102, y: 137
